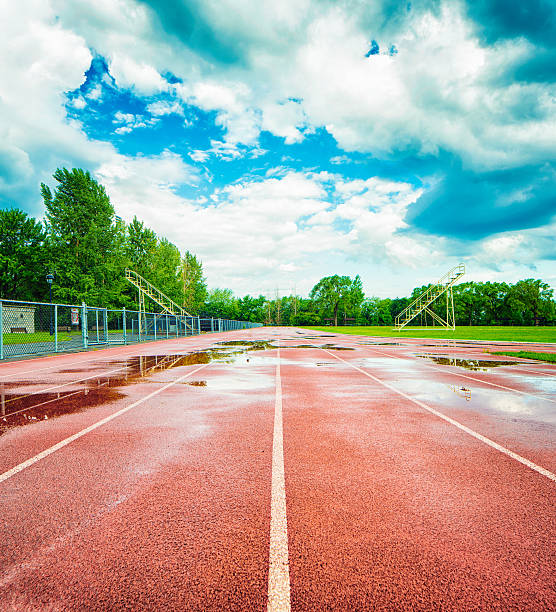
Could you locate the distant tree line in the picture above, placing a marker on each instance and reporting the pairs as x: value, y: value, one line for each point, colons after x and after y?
x: 339, y: 300
x: 87, y: 248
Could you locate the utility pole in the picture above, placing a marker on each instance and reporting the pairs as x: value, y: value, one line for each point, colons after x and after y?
x: 278, y: 319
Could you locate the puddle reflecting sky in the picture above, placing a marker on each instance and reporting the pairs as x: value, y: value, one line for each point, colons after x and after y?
x: 466, y: 394
x: 499, y: 402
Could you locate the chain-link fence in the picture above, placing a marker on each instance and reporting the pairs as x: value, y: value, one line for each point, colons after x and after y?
x: 34, y: 328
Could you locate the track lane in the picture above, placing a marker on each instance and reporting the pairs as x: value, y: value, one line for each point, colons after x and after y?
x: 189, y: 531
x: 522, y: 422
x: 391, y: 508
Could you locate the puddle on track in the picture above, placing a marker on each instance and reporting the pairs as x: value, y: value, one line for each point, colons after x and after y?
x: 476, y: 365
x: 250, y: 345
x: 317, y: 337
x: 501, y: 403
x: 330, y: 347
x: 383, y: 343
x: 18, y: 409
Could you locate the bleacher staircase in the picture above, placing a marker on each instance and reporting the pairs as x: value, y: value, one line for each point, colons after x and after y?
x: 147, y: 289
x: 421, y: 304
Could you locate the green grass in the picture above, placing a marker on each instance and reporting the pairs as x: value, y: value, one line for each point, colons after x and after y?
x: 38, y: 337
x: 550, y: 357
x: 515, y: 334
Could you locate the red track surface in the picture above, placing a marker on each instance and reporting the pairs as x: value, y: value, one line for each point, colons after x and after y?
x: 389, y: 506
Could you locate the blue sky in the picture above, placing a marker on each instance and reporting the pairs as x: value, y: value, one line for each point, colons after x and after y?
x: 283, y: 142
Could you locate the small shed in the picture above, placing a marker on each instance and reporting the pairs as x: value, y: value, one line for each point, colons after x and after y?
x: 18, y: 319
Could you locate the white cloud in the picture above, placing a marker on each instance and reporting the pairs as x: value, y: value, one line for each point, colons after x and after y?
x: 132, y: 122
x: 164, y: 107
x: 78, y: 103
x: 442, y: 90
x: 41, y: 61
x: 140, y: 76
x: 95, y: 93
x: 284, y: 119
x: 252, y: 231
x: 199, y: 156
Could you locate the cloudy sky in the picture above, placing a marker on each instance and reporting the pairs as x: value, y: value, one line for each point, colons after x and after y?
x: 286, y: 141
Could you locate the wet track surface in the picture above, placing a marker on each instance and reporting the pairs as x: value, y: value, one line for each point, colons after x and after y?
x: 416, y: 475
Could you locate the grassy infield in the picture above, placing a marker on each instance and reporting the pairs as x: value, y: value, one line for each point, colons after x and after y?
x: 496, y: 334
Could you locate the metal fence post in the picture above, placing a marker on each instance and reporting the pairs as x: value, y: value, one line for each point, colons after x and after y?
x: 84, y: 326
x: 105, y: 316
x: 154, y: 325
x: 55, y: 328
x: 1, y: 332
x: 167, y: 329
x: 124, y: 322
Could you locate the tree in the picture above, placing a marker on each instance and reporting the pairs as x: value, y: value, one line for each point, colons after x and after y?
x: 221, y: 304
x: 384, y: 316
x: 22, y: 256
x: 165, y: 271
x: 85, y: 239
x: 194, y: 286
x: 333, y: 293
x: 252, y: 308
x: 530, y: 302
x: 140, y: 247
x: 397, y: 305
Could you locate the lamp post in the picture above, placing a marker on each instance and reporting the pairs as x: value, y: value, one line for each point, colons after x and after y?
x: 49, y: 280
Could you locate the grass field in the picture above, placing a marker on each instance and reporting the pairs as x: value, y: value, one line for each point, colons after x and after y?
x: 39, y: 337
x: 550, y: 357
x: 515, y: 334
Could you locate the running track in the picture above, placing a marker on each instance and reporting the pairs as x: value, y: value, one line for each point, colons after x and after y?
x: 306, y: 478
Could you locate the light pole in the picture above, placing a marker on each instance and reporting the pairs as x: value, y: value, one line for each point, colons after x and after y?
x: 49, y: 280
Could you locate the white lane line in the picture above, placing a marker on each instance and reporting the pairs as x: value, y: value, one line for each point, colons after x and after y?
x: 457, y: 424
x: 278, y: 571
x: 486, y: 382
x: 18, y: 468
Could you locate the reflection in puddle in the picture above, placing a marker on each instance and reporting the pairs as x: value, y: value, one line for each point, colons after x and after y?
x: 317, y: 337
x: 22, y: 409
x: 333, y: 347
x: 461, y: 391
x: 15, y: 411
x: 250, y: 345
x: 468, y: 364
x: 383, y: 343
x: 479, y: 399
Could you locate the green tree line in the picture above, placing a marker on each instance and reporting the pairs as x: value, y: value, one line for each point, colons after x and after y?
x: 87, y: 248
x: 339, y: 300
